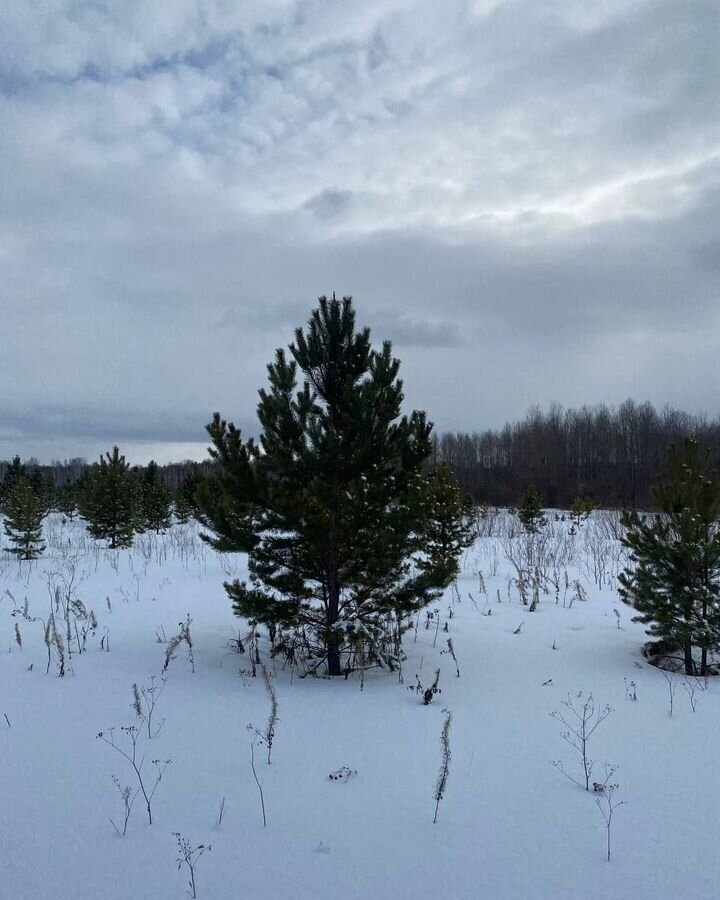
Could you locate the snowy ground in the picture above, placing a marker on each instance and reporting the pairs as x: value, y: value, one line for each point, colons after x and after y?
x: 510, y: 826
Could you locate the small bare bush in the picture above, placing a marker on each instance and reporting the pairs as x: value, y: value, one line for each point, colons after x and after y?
x: 581, y: 719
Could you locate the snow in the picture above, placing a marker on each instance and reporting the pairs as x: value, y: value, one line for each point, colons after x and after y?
x: 510, y: 825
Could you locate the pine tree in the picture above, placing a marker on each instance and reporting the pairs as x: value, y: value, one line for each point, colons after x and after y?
x: 49, y: 491
x: 15, y: 472
x: 186, y: 496
x: 449, y: 526
x: 156, y: 499
x: 531, y: 512
x: 181, y: 508
x: 674, y: 577
x: 332, y: 505
x: 580, y: 511
x: 110, y: 501
x: 24, y: 514
x: 67, y: 498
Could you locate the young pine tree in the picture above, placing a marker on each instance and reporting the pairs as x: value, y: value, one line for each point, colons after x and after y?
x: 110, y: 502
x: 449, y: 527
x: 333, y: 504
x: 181, y: 508
x: 15, y: 472
x: 186, y: 502
x: 674, y: 577
x: 580, y: 511
x: 24, y: 514
x: 156, y: 499
x: 66, y: 499
x: 531, y: 512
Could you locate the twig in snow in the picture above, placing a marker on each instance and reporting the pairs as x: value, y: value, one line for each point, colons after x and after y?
x: 443, y: 774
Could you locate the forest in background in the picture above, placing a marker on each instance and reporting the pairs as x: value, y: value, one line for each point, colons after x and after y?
x: 611, y: 454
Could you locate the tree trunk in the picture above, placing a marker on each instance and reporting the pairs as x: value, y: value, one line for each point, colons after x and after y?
x: 689, y: 664
x: 333, y: 655
x: 331, y: 617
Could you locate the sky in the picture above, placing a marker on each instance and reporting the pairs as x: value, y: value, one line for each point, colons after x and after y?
x: 523, y: 196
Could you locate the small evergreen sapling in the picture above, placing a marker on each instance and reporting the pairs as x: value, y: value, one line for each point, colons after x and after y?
x: 531, y: 512
x: 155, y: 500
x: 580, y: 512
x: 24, y: 514
x: 673, y: 579
x: 110, y: 501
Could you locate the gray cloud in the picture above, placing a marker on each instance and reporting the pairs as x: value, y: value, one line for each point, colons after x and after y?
x: 523, y: 197
x: 328, y: 203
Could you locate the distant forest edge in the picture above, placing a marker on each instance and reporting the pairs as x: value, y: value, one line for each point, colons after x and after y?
x: 611, y: 454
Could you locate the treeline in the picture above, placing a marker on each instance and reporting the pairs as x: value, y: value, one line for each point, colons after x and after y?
x: 612, y: 455
x: 58, y: 474
x: 116, y: 501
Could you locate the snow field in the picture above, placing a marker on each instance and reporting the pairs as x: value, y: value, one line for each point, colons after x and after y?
x: 510, y: 826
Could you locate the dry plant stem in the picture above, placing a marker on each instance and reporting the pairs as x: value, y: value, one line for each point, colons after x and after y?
x: 189, y: 856
x: 672, y: 686
x: 144, y: 702
x: 443, y: 774
x: 451, y: 651
x: 581, y: 724
x: 257, y: 781
x: 272, y: 718
x: 160, y: 765
x: 608, y: 809
x: 128, y: 799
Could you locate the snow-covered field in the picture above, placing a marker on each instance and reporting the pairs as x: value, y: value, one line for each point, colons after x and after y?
x: 510, y: 826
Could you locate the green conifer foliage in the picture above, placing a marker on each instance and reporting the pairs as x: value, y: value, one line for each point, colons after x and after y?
x: 156, y: 499
x: 181, y: 508
x: 186, y: 503
x: 24, y: 514
x: 531, y: 512
x: 67, y: 498
x: 449, y: 525
x: 674, y: 577
x: 15, y: 472
x: 580, y: 511
x: 110, y: 501
x: 332, y: 505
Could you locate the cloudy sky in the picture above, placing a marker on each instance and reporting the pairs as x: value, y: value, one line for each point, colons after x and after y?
x: 524, y: 196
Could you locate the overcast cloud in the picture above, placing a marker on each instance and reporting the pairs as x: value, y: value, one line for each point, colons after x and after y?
x: 524, y: 196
